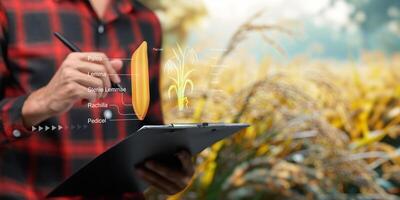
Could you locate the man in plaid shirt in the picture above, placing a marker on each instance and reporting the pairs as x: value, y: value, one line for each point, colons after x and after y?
x: 42, y: 83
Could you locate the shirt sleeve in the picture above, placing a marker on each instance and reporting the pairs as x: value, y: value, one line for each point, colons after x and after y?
x: 11, y: 101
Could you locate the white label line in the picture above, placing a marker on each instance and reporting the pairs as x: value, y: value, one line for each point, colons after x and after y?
x: 112, y: 120
x: 122, y: 74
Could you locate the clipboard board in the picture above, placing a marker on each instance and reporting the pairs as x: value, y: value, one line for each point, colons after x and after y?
x: 112, y: 172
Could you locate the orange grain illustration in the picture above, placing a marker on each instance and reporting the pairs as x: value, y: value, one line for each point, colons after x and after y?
x: 140, y: 81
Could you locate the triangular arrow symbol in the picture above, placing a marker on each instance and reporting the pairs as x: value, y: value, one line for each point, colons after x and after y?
x: 33, y: 128
x: 40, y: 128
x: 53, y: 128
x: 46, y: 128
x: 59, y: 127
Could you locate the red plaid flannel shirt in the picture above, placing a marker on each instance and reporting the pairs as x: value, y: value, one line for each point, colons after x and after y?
x: 34, y: 162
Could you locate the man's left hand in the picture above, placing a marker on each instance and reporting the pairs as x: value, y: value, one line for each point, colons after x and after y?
x: 166, y: 179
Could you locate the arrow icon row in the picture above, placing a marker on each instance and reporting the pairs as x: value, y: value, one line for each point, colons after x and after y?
x: 46, y: 128
x: 77, y: 126
x: 53, y: 127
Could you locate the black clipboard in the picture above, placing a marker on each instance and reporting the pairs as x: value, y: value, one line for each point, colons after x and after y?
x: 112, y: 172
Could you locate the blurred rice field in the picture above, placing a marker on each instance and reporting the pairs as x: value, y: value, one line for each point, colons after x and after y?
x: 319, y: 129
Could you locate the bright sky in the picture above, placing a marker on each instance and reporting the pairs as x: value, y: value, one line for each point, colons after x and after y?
x: 224, y: 16
x: 235, y: 11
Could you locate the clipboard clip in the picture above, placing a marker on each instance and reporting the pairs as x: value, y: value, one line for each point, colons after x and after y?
x: 204, y: 124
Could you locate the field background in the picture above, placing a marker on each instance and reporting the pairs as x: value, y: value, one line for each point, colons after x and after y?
x: 319, y: 82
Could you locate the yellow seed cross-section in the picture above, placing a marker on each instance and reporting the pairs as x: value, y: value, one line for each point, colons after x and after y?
x: 140, y: 81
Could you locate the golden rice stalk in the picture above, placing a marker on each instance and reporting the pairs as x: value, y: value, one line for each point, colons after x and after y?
x: 181, y: 80
x: 140, y: 81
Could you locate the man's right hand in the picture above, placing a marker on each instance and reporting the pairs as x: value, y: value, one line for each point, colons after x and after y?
x: 71, y: 84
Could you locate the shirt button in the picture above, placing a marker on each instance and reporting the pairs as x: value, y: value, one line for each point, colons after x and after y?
x: 100, y: 29
x: 16, y: 133
x: 108, y: 114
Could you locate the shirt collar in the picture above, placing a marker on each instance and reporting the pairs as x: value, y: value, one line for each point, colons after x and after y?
x: 124, y: 6
x: 118, y: 6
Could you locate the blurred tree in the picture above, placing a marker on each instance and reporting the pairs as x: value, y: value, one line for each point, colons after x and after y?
x: 377, y: 21
x: 177, y: 17
x: 372, y: 16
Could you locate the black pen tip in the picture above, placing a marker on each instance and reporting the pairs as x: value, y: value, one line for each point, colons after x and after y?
x: 119, y: 86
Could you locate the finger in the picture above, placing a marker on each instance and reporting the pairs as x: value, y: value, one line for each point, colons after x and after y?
x: 80, y: 92
x: 157, y: 181
x: 85, y: 94
x: 103, y: 59
x: 111, y: 70
x: 87, y: 81
x: 156, y: 184
x: 96, y: 70
x: 186, y: 161
x: 116, y: 65
x: 172, y: 175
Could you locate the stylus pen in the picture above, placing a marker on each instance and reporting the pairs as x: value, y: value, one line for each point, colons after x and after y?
x: 74, y: 48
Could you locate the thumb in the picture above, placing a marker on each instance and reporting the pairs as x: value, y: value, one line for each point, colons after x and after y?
x: 116, y: 64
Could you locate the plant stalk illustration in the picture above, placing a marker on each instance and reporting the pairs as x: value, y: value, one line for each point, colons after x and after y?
x: 179, y: 75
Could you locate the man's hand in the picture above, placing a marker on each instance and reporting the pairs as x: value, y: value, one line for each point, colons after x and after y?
x: 168, y: 180
x: 71, y: 84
